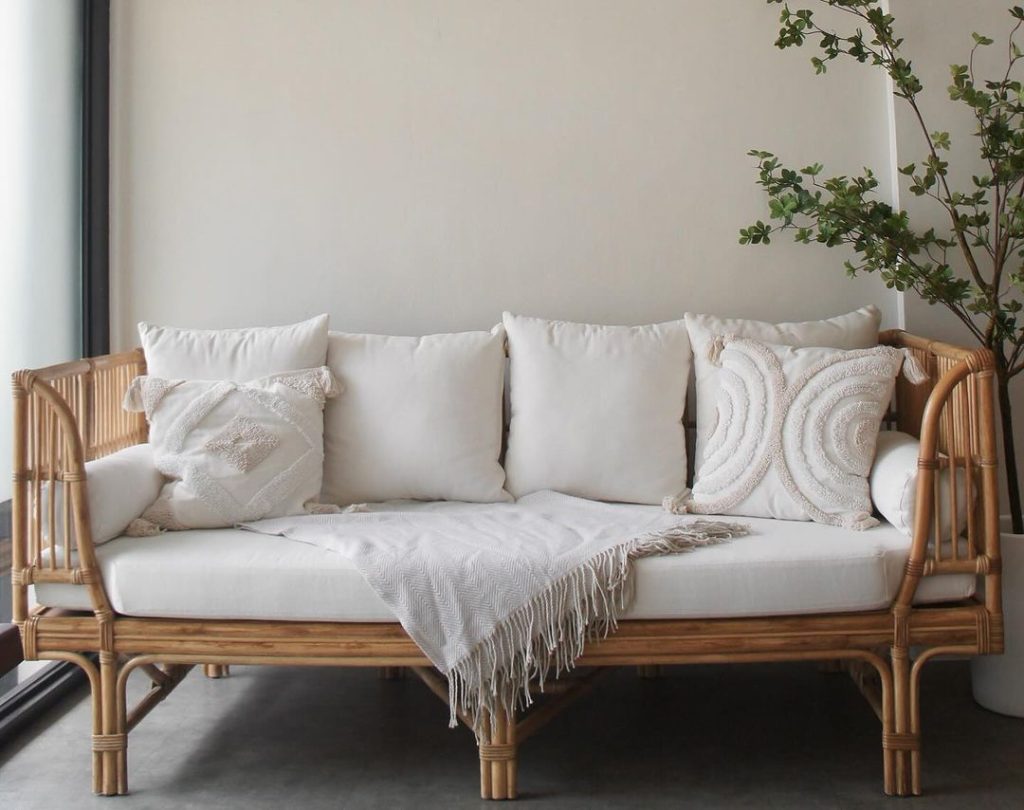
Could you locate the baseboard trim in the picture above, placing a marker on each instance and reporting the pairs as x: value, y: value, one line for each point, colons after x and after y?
x: 29, y: 701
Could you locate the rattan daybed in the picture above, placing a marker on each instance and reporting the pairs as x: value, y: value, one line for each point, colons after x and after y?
x: 69, y: 414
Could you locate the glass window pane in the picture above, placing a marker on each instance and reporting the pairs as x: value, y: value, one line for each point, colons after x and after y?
x: 40, y: 214
x: 40, y: 192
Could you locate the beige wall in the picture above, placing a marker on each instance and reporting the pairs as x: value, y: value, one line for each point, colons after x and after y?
x: 938, y: 33
x: 420, y: 165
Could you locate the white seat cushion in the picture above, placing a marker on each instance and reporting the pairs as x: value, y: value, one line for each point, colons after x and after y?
x: 783, y: 567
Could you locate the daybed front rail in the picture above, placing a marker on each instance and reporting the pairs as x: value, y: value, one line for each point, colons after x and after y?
x: 70, y: 414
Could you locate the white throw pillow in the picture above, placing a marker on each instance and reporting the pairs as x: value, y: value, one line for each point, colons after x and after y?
x: 119, y: 487
x: 421, y: 418
x: 894, y: 486
x: 597, y: 411
x: 234, y: 451
x: 795, y: 430
x: 233, y: 354
x: 855, y: 330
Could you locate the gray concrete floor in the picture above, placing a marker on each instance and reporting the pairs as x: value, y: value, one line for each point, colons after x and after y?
x: 776, y: 736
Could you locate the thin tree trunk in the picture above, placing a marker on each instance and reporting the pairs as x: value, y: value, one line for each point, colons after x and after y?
x: 1010, y: 454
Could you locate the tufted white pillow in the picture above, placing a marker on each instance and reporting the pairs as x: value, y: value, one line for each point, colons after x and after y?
x: 894, y: 486
x: 233, y: 354
x: 794, y: 431
x: 597, y: 411
x: 854, y: 330
x: 421, y: 418
x: 234, y: 452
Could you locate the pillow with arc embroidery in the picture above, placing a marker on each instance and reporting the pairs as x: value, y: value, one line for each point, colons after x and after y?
x: 233, y: 452
x: 794, y: 432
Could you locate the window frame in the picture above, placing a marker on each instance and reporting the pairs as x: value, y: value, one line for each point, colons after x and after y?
x: 29, y: 700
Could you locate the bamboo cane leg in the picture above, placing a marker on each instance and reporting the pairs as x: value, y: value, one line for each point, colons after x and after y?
x: 97, y: 728
x: 499, y: 776
x: 122, y: 753
x: 112, y: 759
x: 649, y: 671
x: 512, y: 763
x: 902, y: 740
x: 391, y: 673
x: 485, y: 765
x: 888, y: 726
x: 498, y: 756
x: 216, y: 670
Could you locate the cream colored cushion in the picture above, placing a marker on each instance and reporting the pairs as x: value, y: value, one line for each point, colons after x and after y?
x: 894, y: 486
x: 119, y: 486
x: 597, y: 411
x: 855, y: 330
x: 234, y: 451
x: 421, y: 418
x: 783, y: 567
x: 233, y: 354
x: 794, y: 432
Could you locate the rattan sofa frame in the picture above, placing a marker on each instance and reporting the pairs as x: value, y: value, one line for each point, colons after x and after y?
x: 68, y: 414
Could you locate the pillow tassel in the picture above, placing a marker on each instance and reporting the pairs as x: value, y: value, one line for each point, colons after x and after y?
x: 140, y: 527
x: 332, y: 385
x: 133, y: 396
x: 677, y: 504
x: 715, y: 348
x: 317, y: 508
x: 859, y: 521
x: 913, y: 370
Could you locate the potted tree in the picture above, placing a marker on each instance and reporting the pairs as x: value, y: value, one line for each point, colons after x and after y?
x: 973, y: 266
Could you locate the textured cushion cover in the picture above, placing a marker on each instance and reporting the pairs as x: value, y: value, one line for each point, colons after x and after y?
x: 234, y: 451
x: 597, y: 411
x: 783, y: 567
x: 854, y: 330
x: 794, y: 432
x: 233, y: 354
x: 894, y: 486
x: 421, y: 417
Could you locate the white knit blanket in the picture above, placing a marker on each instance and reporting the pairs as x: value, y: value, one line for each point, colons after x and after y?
x: 497, y: 595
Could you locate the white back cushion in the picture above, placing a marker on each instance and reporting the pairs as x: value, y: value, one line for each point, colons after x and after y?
x: 239, y: 355
x: 421, y: 417
x: 855, y: 330
x: 597, y: 410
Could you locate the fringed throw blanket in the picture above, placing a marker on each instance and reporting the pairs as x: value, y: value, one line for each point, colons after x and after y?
x: 497, y: 595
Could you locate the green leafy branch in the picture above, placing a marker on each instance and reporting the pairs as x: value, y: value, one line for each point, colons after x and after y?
x: 985, y: 221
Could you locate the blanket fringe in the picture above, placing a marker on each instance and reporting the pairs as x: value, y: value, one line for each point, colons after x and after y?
x: 546, y: 636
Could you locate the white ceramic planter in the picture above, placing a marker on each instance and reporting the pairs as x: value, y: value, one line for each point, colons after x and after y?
x: 998, y: 680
